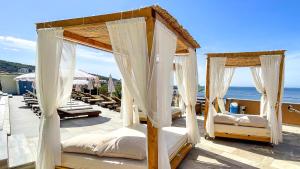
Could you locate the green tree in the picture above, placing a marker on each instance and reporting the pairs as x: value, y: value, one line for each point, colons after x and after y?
x: 103, y: 89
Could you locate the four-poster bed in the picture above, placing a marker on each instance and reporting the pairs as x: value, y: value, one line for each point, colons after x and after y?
x: 267, y: 68
x: 144, y: 43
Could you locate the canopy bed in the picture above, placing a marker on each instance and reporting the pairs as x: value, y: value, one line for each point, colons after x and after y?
x: 267, y: 69
x: 144, y: 43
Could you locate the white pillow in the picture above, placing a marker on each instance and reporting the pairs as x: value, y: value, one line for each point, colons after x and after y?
x: 253, y: 121
x: 85, y: 143
x: 132, y: 147
x: 225, y: 119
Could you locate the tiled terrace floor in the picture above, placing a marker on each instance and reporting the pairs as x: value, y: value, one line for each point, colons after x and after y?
x: 218, y: 153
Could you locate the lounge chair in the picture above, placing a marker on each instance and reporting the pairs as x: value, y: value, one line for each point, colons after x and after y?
x: 90, y: 112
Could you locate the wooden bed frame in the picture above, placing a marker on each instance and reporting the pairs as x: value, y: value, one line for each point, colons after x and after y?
x: 243, y: 59
x: 92, y: 32
x: 175, y: 161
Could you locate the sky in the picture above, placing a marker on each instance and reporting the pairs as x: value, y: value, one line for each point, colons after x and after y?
x: 219, y: 26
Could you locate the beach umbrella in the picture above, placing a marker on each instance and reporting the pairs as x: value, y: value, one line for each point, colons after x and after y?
x: 90, y: 85
x: 77, y: 88
x: 110, y: 85
x: 78, y: 75
x: 26, y: 77
x: 97, y: 84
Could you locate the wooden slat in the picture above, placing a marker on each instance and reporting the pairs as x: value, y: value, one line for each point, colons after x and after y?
x: 243, y: 137
x: 181, y: 155
x: 87, y: 41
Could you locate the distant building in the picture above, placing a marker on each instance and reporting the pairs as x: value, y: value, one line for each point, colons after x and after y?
x: 103, y: 81
x: 23, y: 70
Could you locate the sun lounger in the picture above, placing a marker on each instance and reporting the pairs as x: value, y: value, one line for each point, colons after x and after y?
x: 75, y: 113
x: 176, y: 113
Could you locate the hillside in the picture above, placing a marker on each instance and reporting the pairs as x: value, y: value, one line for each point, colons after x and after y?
x: 12, y: 67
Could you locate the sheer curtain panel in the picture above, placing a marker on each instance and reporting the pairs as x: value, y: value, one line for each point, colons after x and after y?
x: 187, y: 81
x: 270, y: 66
x: 259, y: 85
x: 55, y: 59
x: 129, y: 43
x: 160, y: 86
x: 216, y: 75
x: 223, y: 87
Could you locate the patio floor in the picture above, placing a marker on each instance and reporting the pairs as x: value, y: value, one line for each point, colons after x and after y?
x: 217, y: 153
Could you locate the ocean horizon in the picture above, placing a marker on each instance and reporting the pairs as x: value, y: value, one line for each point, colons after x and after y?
x: 291, y: 95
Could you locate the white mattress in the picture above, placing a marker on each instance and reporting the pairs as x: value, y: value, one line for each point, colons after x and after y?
x: 242, y: 130
x: 176, y: 138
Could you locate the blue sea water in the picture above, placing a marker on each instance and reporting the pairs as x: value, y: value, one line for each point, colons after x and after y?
x: 291, y: 95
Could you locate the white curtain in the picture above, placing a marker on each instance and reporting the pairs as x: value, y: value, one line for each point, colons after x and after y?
x: 223, y: 87
x: 270, y: 66
x: 67, y: 71
x: 126, y: 106
x: 129, y: 43
x: 161, y: 86
x: 259, y: 85
x: 187, y: 81
x: 55, y: 60
x: 216, y: 75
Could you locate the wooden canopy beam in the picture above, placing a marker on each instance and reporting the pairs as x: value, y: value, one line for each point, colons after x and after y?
x: 244, y: 59
x: 246, y: 54
x: 185, y: 40
x: 179, y: 36
x: 143, y: 12
x: 87, y: 41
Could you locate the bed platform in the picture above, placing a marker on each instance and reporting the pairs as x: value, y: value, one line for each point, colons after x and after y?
x: 178, y: 148
x: 242, y: 132
x: 255, y: 128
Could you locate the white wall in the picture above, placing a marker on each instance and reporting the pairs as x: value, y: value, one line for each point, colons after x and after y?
x: 8, y: 83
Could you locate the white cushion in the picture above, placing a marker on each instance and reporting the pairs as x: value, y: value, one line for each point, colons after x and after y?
x: 132, y: 147
x: 225, y: 119
x: 253, y: 121
x: 85, y: 143
x: 128, y: 143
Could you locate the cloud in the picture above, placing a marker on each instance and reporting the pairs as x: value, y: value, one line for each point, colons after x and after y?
x: 11, y: 49
x: 96, y: 56
x: 18, y: 44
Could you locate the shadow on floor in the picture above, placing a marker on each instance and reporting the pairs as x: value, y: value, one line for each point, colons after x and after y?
x: 24, y: 107
x: 199, y: 158
x: 83, y: 121
x: 289, y: 149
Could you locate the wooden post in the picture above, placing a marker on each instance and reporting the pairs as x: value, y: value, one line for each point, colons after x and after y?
x: 152, y: 135
x: 207, y: 90
x: 280, y: 83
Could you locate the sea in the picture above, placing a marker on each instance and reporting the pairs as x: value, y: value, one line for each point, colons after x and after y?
x: 291, y: 95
